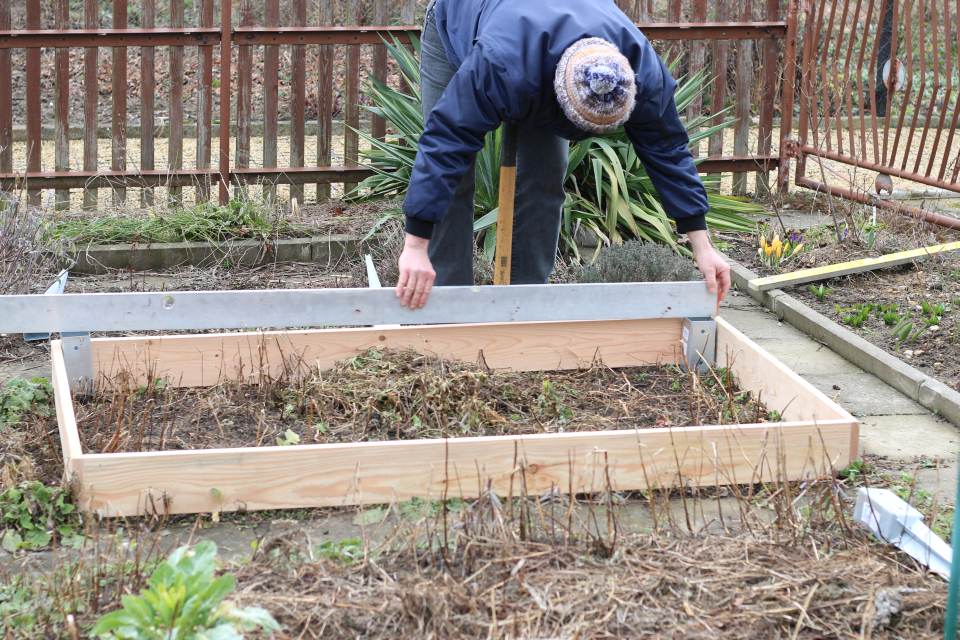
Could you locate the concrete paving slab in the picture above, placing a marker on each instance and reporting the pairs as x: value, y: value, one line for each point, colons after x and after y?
x: 758, y: 324
x: 862, y: 394
x: 908, y: 437
x: 806, y: 356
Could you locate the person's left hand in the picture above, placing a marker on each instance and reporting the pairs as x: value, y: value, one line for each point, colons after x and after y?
x: 711, y: 264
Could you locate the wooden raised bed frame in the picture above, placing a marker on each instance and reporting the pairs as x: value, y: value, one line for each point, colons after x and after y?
x: 815, y: 439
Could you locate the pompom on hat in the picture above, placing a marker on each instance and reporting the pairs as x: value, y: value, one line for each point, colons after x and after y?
x: 595, y: 85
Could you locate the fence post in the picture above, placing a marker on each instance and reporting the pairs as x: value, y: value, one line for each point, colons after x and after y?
x: 91, y: 96
x: 297, y: 90
x: 789, y: 92
x: 6, y: 97
x: 205, y: 104
x: 697, y: 60
x: 244, y: 86
x: 741, y: 139
x: 721, y: 56
x: 33, y: 101
x: 352, y: 111
x: 175, y: 141
x: 119, y: 97
x: 328, y: 12
x: 768, y: 94
x: 380, y: 18
x: 147, y: 97
x: 271, y: 67
x: 62, y: 111
x: 226, y: 31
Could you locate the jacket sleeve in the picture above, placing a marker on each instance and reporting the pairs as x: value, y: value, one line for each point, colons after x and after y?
x: 662, y: 144
x: 474, y: 103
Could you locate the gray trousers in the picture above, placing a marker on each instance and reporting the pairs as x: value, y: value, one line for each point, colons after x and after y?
x: 541, y: 167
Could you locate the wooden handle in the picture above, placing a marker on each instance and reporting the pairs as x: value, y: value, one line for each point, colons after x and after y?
x: 508, y: 184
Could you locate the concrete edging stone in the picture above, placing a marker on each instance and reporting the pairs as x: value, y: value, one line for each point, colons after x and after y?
x: 915, y: 384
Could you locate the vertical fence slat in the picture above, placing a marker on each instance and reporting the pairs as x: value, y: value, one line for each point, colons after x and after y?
x: 62, y: 106
x: 205, y: 104
x: 380, y: 17
x: 91, y: 98
x: 408, y: 12
x: 271, y: 64
x: 768, y: 94
x: 6, y: 97
x: 297, y: 89
x: 33, y: 100
x: 325, y: 98
x: 148, y: 74
x: 698, y: 49
x: 721, y: 56
x: 244, y: 105
x: 119, y: 97
x: 175, y: 141
x: 673, y: 15
x: 352, y: 110
x: 226, y: 45
x: 741, y: 137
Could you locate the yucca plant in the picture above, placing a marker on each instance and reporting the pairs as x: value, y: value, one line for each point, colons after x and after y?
x: 608, y: 190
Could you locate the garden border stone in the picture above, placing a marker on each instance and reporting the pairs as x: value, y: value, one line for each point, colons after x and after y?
x: 920, y: 387
x: 97, y: 259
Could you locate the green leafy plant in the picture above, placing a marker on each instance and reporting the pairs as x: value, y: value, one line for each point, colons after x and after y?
x: 609, y: 194
x: 933, y: 312
x: 184, y: 600
x: 20, y: 397
x: 33, y: 515
x: 856, y: 470
x: 890, y: 318
x: 204, y: 222
x: 859, y: 316
x: 346, y: 551
x: 820, y: 291
x: 289, y: 437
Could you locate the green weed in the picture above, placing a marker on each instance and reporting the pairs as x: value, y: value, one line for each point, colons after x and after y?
x: 20, y: 397
x: 33, y: 515
x: 184, y: 599
x: 856, y: 470
x: 346, y: 551
x: 820, y: 291
x: 890, y: 318
x: 289, y: 437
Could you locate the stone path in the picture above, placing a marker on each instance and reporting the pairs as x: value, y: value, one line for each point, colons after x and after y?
x: 891, y: 424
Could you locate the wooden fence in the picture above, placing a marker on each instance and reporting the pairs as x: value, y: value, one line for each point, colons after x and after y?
x: 171, y: 94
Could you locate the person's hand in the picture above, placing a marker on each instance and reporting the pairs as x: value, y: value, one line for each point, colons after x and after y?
x: 416, y: 273
x: 711, y: 264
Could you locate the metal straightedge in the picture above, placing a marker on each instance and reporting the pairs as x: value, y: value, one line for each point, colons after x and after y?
x: 75, y: 315
x: 351, y: 307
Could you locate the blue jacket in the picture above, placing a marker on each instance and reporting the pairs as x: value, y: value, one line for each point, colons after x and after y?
x: 506, y: 53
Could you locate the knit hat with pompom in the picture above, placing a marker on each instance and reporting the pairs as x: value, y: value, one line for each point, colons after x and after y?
x: 595, y: 85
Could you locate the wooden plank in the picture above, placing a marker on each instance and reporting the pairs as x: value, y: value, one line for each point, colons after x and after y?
x: 34, y: 115
x: 244, y: 91
x: 205, y: 103
x: 325, y: 98
x: 380, y: 18
x: 63, y: 401
x: 119, y: 95
x: 61, y: 115
x: 384, y: 472
x: 776, y: 385
x: 271, y: 66
x: 91, y: 97
x: 744, y: 85
x: 297, y: 96
x: 226, y: 61
x: 148, y: 81
x: 204, y: 360
x: 351, y: 140
x: 6, y: 96
x: 408, y: 12
x: 826, y: 272
x: 175, y: 141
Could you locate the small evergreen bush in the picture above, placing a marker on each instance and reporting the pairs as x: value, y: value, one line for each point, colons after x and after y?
x: 636, y: 261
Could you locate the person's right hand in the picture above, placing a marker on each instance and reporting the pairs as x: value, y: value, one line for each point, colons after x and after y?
x: 416, y: 273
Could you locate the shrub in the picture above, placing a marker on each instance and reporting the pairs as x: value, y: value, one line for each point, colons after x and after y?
x: 636, y: 261
x: 32, y: 515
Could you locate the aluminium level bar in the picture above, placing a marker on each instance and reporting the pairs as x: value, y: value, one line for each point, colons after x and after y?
x: 351, y: 307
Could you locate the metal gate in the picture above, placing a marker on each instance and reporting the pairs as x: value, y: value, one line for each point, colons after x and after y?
x: 879, y: 98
